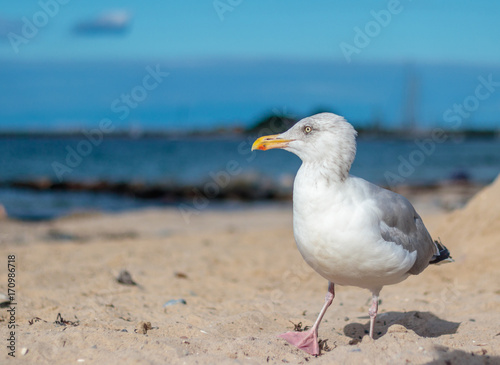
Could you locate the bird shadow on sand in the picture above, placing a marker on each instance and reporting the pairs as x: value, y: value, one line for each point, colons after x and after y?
x: 424, y: 324
x: 446, y: 355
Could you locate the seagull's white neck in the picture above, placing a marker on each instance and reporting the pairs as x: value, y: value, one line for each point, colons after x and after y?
x: 316, y: 189
x: 326, y: 171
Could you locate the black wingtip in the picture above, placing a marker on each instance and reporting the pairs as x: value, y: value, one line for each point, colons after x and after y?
x: 443, y: 256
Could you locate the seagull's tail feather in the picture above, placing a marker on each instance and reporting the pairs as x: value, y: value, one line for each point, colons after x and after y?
x: 442, y: 256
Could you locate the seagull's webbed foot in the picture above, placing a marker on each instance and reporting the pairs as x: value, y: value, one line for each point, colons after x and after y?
x: 306, y: 341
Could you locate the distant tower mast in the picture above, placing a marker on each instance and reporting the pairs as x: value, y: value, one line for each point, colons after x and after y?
x: 409, y: 112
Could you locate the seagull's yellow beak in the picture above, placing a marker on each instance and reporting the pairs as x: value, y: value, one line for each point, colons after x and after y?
x: 269, y: 142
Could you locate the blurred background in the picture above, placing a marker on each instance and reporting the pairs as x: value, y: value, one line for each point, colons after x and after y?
x: 115, y: 105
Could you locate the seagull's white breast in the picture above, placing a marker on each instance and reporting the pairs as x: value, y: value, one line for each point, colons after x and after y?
x: 337, y: 230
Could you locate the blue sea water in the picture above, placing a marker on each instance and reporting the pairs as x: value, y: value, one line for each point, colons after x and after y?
x: 195, y: 160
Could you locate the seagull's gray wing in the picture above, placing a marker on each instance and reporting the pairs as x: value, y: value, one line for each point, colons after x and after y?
x: 401, y: 224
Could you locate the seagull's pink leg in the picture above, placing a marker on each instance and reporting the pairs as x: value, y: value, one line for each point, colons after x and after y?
x: 308, y: 340
x: 373, y: 313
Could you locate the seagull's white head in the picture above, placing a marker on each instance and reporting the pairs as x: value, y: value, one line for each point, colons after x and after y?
x: 325, y: 140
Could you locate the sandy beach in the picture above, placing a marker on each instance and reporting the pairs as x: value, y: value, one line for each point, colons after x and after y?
x: 243, y: 282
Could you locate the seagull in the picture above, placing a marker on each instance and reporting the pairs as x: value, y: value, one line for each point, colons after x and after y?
x: 347, y: 229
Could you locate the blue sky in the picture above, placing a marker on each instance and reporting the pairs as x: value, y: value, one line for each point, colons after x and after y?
x: 423, y: 31
x: 256, y: 57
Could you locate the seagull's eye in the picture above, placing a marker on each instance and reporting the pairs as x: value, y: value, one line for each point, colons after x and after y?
x: 308, y: 129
